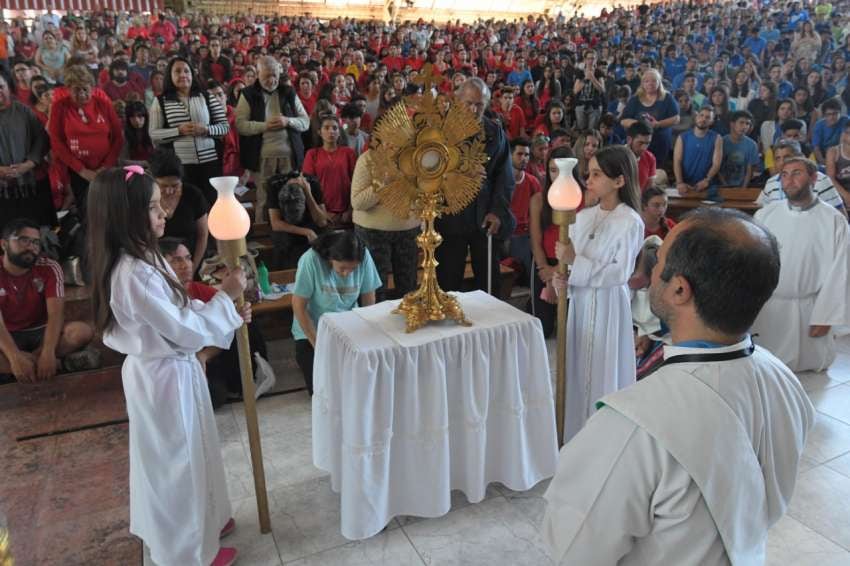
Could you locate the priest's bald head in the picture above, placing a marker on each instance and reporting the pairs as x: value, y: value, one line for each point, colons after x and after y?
x: 715, y: 271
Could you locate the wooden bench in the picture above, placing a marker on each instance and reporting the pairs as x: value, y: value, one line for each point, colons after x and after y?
x: 738, y: 199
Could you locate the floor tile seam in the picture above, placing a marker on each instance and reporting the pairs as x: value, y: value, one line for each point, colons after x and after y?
x: 816, y: 531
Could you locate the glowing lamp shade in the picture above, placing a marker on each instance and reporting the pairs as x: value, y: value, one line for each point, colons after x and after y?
x: 228, y: 219
x: 565, y: 194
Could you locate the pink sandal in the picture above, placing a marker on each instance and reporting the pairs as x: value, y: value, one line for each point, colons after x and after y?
x: 225, y: 557
x: 228, y: 528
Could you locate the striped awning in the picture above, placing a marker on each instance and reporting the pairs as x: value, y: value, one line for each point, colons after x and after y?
x: 86, y: 5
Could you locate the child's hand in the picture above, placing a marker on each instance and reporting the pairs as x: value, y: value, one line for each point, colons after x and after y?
x: 234, y: 283
x: 565, y: 253
x: 245, y: 312
x: 559, y: 283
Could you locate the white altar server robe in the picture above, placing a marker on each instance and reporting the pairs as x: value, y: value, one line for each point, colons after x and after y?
x: 813, y: 284
x: 178, y: 491
x: 689, y: 466
x: 600, y: 341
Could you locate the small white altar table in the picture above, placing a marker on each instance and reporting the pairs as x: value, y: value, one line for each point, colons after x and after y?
x: 400, y: 420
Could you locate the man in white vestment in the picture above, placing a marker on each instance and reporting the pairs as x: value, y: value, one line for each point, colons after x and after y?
x: 693, y: 464
x: 812, y: 299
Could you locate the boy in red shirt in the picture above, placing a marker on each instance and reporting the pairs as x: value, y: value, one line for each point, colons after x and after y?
x: 33, y: 331
x: 513, y: 118
x: 638, y: 138
x: 527, y: 186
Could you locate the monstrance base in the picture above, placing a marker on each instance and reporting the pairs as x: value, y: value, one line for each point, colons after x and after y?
x: 421, y: 307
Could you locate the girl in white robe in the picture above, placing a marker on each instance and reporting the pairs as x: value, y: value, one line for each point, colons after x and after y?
x: 178, y: 495
x: 605, y: 242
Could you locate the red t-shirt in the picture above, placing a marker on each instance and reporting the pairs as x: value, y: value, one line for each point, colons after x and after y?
x: 23, y: 95
x: 393, y: 63
x: 514, y: 121
x: 666, y: 225
x: 524, y: 190
x: 200, y: 291
x: 646, y: 169
x: 334, y: 170
x: 121, y: 92
x: 309, y: 103
x: 90, y: 137
x: 23, y: 299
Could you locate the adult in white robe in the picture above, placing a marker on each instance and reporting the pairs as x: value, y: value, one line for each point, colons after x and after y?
x: 813, y: 283
x: 178, y: 491
x: 649, y: 479
x: 600, y: 343
x: 691, y: 465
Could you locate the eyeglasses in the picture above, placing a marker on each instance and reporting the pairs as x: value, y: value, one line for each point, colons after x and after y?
x: 27, y: 242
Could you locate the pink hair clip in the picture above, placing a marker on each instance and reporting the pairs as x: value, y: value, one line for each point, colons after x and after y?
x: 133, y: 170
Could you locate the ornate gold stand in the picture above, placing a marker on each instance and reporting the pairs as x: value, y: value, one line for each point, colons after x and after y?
x: 429, y: 161
x: 563, y: 219
x: 429, y: 302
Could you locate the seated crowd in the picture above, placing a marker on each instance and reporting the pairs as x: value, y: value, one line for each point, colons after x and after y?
x: 705, y: 97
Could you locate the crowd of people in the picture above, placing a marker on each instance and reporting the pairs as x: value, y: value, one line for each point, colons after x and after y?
x: 704, y: 96
x: 105, y: 116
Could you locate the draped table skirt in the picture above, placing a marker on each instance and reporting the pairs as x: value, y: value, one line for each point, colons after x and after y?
x: 400, y: 420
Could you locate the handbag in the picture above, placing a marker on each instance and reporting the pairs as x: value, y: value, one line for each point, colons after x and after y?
x: 213, y: 270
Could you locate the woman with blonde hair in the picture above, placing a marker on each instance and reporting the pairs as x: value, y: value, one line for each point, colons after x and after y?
x: 807, y: 43
x: 586, y: 146
x: 652, y: 103
x: 83, y: 46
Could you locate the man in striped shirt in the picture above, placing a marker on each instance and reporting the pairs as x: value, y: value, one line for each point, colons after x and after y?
x: 33, y: 331
x: 823, y: 189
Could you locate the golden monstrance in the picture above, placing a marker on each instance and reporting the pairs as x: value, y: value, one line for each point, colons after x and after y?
x: 429, y: 163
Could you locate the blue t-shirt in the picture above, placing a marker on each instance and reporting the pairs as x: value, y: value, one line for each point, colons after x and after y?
x: 756, y: 44
x: 662, y: 138
x: 697, y: 155
x: 736, y: 157
x: 327, y: 290
x: 516, y: 78
x: 770, y: 35
x: 825, y: 137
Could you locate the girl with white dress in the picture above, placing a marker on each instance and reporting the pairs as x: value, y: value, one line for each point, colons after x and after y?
x: 605, y: 242
x: 178, y: 496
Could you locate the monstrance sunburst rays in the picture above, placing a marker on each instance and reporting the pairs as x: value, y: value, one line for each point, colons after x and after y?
x: 429, y: 164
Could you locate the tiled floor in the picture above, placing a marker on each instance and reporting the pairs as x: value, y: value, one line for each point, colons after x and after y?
x: 66, y: 495
x: 501, y: 530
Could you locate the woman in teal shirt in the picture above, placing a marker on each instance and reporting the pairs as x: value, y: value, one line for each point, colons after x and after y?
x: 334, y: 275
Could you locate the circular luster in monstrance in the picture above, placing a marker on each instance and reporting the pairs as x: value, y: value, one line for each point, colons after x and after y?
x: 427, y: 163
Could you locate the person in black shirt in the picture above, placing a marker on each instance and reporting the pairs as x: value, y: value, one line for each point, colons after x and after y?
x: 297, y: 215
x: 185, y: 207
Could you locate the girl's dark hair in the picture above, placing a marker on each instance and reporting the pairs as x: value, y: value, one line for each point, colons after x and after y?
x: 164, y: 163
x: 547, y: 115
x: 118, y: 224
x: 649, y: 194
x: 38, y: 90
x: 533, y: 101
x: 137, y: 138
x: 169, y: 90
x: 616, y: 160
x: 339, y: 245
x: 557, y: 153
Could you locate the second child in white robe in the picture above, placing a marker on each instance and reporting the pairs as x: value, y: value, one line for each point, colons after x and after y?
x: 600, y: 342
x: 178, y: 491
x: 813, y: 284
x: 688, y: 467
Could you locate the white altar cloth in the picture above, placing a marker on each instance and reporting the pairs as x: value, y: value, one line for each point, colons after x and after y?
x: 399, y: 421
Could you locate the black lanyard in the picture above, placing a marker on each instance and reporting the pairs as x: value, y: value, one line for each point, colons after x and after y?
x: 718, y: 357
